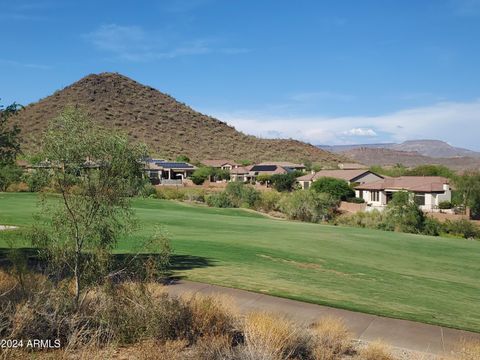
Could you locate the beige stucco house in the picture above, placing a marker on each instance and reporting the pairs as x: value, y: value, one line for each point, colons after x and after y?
x: 221, y: 164
x: 354, y: 176
x: 427, y: 191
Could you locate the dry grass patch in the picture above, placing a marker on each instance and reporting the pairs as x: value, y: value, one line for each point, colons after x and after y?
x: 469, y: 351
x: 272, y: 337
x: 330, y: 339
x: 375, y: 351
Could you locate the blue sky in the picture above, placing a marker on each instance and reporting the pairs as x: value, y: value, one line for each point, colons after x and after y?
x: 327, y: 72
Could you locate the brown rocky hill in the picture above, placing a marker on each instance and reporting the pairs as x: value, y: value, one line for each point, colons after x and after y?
x: 167, y: 126
x: 386, y: 157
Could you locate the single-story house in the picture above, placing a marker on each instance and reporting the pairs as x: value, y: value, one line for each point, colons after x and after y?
x: 360, y: 176
x: 221, y: 164
x: 284, y: 164
x: 250, y: 173
x: 428, y: 191
x: 162, y: 172
x: 240, y: 173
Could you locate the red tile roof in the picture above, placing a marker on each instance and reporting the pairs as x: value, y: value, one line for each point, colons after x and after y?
x: 408, y: 183
x: 347, y: 175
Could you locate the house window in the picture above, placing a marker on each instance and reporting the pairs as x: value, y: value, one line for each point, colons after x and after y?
x: 360, y: 194
x: 306, y: 185
x: 375, y: 196
x: 419, y: 199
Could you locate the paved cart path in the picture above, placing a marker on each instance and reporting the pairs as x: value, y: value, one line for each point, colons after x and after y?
x: 408, y: 335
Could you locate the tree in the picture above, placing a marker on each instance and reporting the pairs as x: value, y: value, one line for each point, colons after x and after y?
x: 96, y: 172
x: 403, y: 214
x: 9, y: 135
x: 200, y: 175
x: 183, y: 158
x: 468, y: 187
x: 284, y: 182
x: 338, y: 188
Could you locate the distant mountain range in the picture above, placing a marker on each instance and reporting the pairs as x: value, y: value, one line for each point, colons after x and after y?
x: 410, y: 153
x: 169, y: 127
x: 430, y: 148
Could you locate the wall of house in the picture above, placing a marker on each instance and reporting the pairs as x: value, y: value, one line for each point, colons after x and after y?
x: 367, y: 178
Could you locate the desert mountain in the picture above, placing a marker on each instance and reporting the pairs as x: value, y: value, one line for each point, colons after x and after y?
x: 386, y: 157
x: 430, y: 148
x: 168, y: 127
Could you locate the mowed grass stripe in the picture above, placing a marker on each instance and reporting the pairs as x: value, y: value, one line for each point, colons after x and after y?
x: 429, y: 279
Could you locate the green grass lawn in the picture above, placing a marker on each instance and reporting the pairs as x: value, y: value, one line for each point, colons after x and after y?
x: 428, y: 279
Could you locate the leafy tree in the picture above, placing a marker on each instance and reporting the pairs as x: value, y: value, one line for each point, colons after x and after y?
x: 200, y: 175
x: 38, y: 179
x: 182, y: 158
x: 468, y: 188
x: 284, y: 182
x: 9, y: 135
x: 403, y: 214
x: 264, y: 178
x: 95, y: 171
x: 9, y: 147
x: 430, y: 170
x: 338, y: 188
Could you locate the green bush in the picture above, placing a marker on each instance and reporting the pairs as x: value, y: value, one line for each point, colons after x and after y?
x: 463, y: 228
x: 307, y: 205
x: 9, y: 174
x: 445, y: 205
x: 337, y: 188
x: 200, y: 175
x: 220, y: 200
x: 264, y: 178
x: 269, y: 201
x: 355, y: 200
x: 371, y: 219
x: 284, y: 182
x: 38, y: 179
x: 432, y: 227
x: 403, y: 215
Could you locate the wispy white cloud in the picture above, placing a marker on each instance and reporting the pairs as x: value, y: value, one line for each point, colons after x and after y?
x: 456, y: 122
x: 133, y: 43
x: 363, y: 132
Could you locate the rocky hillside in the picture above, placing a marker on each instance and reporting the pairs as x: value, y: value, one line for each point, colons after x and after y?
x: 168, y: 127
x: 385, y: 157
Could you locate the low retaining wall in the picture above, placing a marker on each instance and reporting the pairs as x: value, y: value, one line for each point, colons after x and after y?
x: 352, y: 207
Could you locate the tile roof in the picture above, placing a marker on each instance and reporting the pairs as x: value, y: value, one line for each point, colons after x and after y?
x: 240, y: 170
x: 347, y: 175
x: 219, y: 163
x: 408, y: 183
x: 283, y: 164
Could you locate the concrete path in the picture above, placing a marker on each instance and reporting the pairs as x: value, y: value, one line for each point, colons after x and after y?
x: 402, y: 334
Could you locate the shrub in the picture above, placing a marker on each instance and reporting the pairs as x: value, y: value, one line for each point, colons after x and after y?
x: 404, y: 215
x: 464, y: 228
x: 149, y: 191
x: 200, y: 175
x: 331, y: 339
x: 432, y: 227
x: 375, y: 351
x: 371, y: 219
x: 220, y: 200
x: 272, y: 337
x: 269, y: 201
x: 18, y: 187
x: 445, y: 205
x: 337, y: 188
x: 355, y: 200
x: 264, y: 178
x: 9, y: 174
x: 242, y: 195
x: 38, y: 179
x: 284, y: 182
x: 307, y: 205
